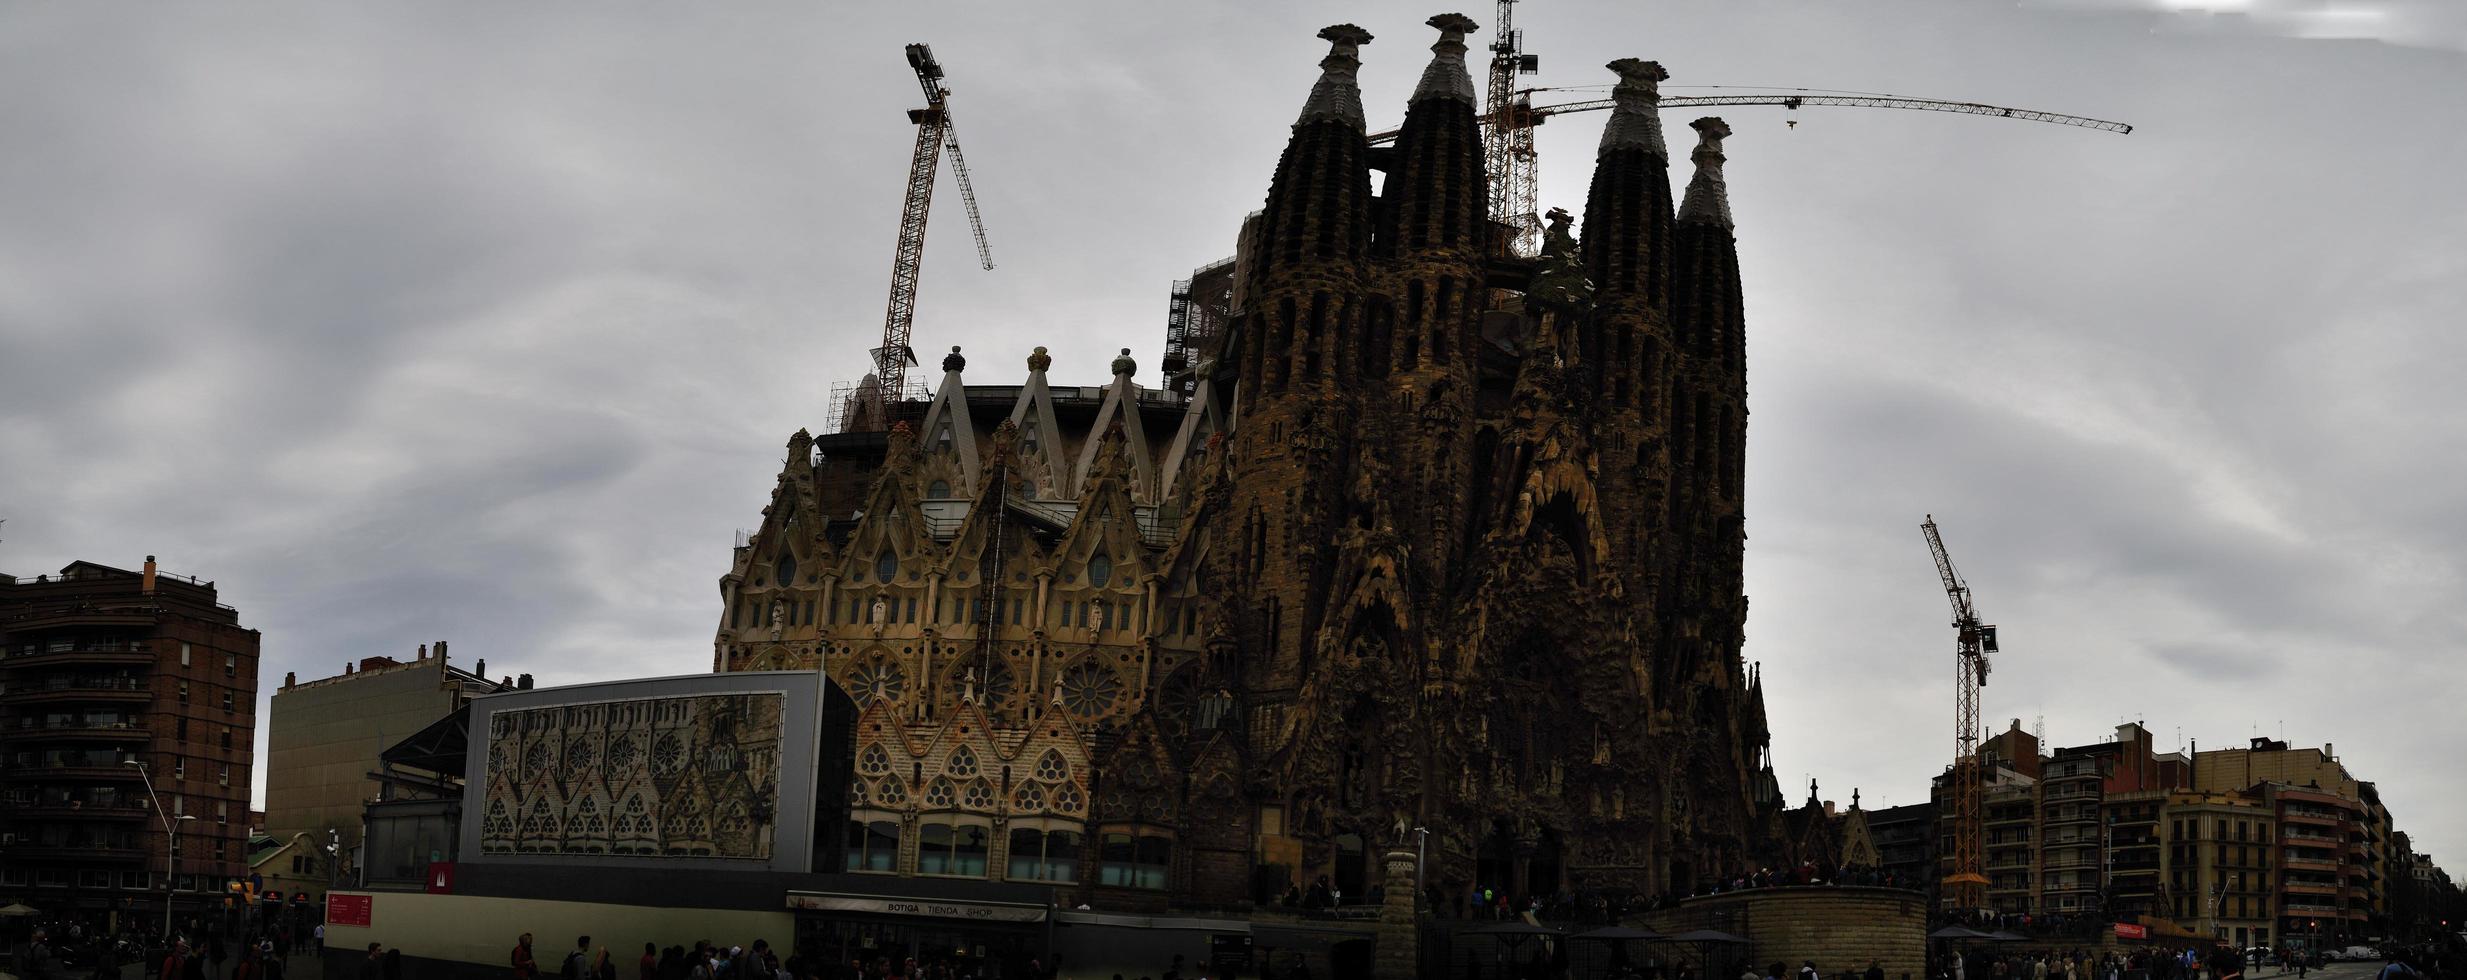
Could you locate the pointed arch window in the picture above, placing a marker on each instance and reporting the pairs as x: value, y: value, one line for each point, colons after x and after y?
x: 1051, y: 768
x: 786, y: 566
x: 940, y: 794
x: 963, y: 763
x: 886, y: 567
x: 1100, y: 570
x: 940, y: 490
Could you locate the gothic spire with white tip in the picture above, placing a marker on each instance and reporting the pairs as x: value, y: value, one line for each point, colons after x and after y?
x: 1708, y: 199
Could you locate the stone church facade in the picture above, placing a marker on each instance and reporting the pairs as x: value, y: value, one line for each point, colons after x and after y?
x: 1441, y: 540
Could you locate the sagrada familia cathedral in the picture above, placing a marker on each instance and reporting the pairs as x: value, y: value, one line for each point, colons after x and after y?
x: 1443, y: 547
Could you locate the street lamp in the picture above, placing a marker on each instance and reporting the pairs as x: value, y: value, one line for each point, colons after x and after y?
x: 170, y: 839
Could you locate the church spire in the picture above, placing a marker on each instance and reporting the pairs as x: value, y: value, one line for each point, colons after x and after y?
x: 1435, y: 189
x: 1313, y: 230
x: 1338, y: 97
x: 1708, y: 199
x: 1636, y: 113
x: 1628, y: 208
x: 1446, y: 77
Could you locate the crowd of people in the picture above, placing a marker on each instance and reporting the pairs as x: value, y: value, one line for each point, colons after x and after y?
x: 707, y: 960
x: 68, y: 950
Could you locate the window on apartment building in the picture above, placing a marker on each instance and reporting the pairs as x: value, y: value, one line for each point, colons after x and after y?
x: 223, y: 778
x: 183, y: 692
x: 222, y: 811
x: 226, y: 738
x: 231, y: 665
x: 184, y: 655
x: 2242, y: 828
x: 227, y: 702
x: 179, y: 766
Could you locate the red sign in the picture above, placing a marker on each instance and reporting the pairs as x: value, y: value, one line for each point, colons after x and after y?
x: 441, y: 877
x: 347, y: 910
x: 2127, y: 930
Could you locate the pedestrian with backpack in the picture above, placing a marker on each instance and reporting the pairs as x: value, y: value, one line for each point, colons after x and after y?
x: 577, y: 965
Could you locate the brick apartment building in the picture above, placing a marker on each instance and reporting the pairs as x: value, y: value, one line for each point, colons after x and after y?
x: 109, y: 677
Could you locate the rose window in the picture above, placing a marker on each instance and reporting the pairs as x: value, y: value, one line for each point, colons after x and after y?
x: 668, y: 755
x: 940, y: 793
x: 963, y: 763
x: 535, y: 758
x: 579, y: 756
x: 874, y: 761
x: 879, y: 680
x: 889, y: 792
x: 1029, y: 799
x: 1089, y: 689
x: 622, y: 754
x: 1051, y: 768
x: 979, y: 796
x: 1067, y: 798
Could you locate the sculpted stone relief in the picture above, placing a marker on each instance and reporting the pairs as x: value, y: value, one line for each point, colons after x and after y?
x: 665, y: 777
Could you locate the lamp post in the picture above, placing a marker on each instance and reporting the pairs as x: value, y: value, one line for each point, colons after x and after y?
x: 170, y: 839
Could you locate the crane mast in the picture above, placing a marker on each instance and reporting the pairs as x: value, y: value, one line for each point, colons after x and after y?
x: 934, y: 136
x: 1966, y: 887
x: 1507, y: 141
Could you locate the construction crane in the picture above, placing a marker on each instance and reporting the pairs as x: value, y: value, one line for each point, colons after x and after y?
x: 1507, y: 138
x: 935, y: 135
x: 1966, y: 887
x: 1508, y: 121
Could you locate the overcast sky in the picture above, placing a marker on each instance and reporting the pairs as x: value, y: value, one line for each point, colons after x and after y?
x: 488, y: 323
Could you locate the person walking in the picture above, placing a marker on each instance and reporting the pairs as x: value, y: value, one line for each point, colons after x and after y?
x: 372, y: 966
x: 649, y: 966
x: 175, y: 964
x: 578, y: 962
x: 526, y: 967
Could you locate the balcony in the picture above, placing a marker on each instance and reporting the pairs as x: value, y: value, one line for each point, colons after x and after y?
x: 77, y: 731
x: 122, y: 690
x: 2309, y: 864
x: 86, y: 850
x: 64, y: 810
x: 2316, y: 818
x: 131, y: 654
x: 2309, y: 887
x: 70, y: 772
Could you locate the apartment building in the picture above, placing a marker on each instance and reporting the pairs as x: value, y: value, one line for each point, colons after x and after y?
x: 121, y: 691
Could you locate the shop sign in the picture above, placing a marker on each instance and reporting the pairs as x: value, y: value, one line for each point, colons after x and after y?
x: 1229, y: 952
x: 2127, y: 930
x: 920, y: 907
x: 348, y: 910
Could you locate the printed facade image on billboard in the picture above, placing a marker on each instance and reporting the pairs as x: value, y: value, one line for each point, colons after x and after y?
x: 691, y: 776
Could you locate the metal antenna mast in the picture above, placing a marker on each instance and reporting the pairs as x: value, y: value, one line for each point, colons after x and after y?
x: 934, y: 135
x: 1966, y: 887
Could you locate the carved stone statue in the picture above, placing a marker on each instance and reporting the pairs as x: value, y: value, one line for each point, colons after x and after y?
x: 1559, y: 273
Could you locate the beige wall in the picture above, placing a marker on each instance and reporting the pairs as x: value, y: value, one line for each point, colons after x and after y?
x: 476, y: 929
x: 322, y: 741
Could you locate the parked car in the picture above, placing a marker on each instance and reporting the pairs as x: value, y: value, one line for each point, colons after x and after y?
x: 2357, y: 954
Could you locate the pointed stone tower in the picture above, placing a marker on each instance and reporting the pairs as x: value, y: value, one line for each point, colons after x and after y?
x: 1308, y: 292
